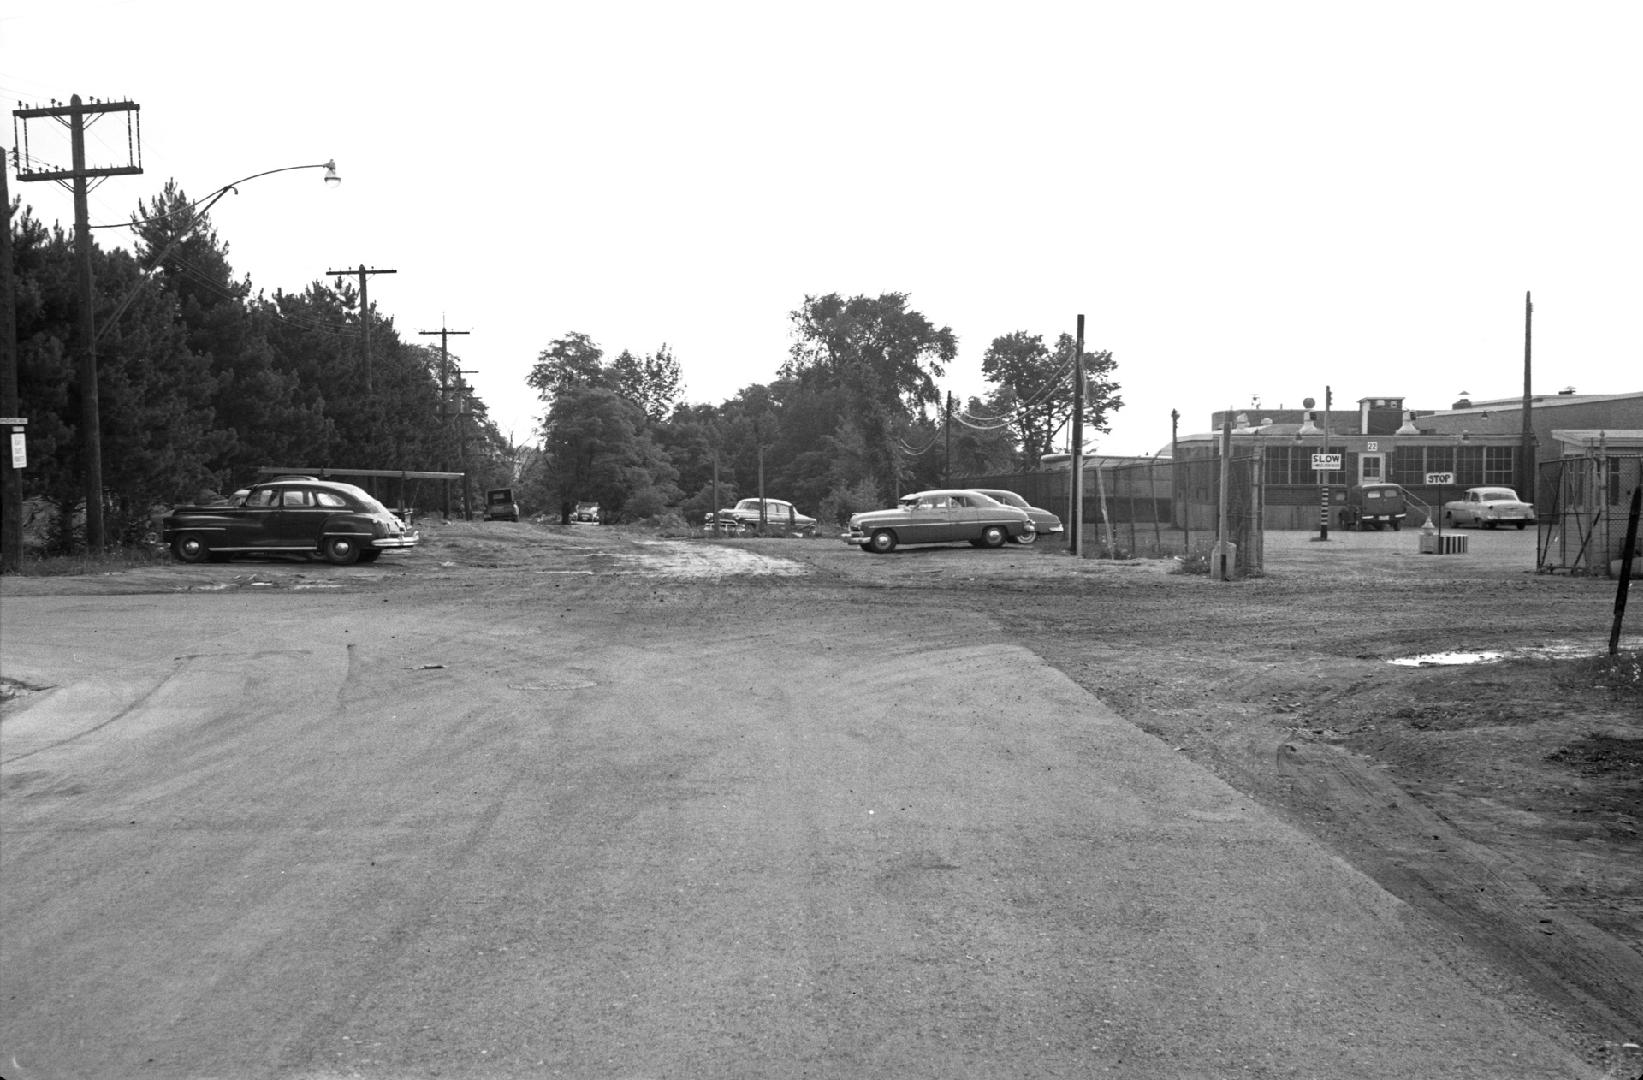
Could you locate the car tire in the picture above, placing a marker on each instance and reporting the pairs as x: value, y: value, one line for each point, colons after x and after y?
x: 1397, y: 526
x: 1026, y: 537
x: 882, y: 542
x: 1520, y: 525
x: 866, y: 547
x: 1491, y: 524
x: 341, y: 550
x: 370, y: 555
x: 994, y: 536
x: 191, y: 548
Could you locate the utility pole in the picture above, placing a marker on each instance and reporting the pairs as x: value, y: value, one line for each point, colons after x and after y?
x: 364, y: 316
x: 947, y: 463
x: 1075, y: 524
x: 462, y: 437
x: 11, y: 476
x: 1526, y: 453
x: 74, y: 114
x: 444, y: 379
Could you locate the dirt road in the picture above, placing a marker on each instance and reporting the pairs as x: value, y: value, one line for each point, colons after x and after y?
x: 531, y: 802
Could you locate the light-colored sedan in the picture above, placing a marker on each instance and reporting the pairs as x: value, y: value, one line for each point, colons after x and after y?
x: 1044, y: 522
x: 944, y: 516
x: 1488, y: 508
x: 750, y: 515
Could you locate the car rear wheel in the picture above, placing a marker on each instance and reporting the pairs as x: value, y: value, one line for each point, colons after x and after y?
x: 882, y: 542
x: 1520, y: 525
x: 994, y: 536
x: 341, y: 550
x: 190, y: 549
x: 1026, y: 538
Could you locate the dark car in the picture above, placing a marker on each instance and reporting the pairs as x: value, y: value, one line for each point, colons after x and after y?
x: 339, y: 522
x: 1375, y: 506
x: 939, y: 517
x: 499, y: 505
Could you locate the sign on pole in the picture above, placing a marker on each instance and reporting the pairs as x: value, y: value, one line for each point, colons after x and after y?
x: 1440, y: 478
x: 1326, y: 462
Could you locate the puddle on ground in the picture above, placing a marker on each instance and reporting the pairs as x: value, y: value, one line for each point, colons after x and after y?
x: 1447, y: 659
x: 1555, y: 650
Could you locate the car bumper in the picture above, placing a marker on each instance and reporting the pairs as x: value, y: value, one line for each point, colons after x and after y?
x: 391, y: 543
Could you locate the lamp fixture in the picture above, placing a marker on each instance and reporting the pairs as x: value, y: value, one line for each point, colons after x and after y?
x: 331, y: 176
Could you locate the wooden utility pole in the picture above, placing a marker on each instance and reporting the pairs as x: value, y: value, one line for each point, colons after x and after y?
x: 74, y: 114
x: 444, y: 381
x: 462, y: 438
x: 1075, y: 524
x: 11, y: 477
x: 947, y: 462
x: 1526, y: 452
x: 364, y: 315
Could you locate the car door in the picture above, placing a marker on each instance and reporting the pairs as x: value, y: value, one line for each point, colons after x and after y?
x: 937, y: 520
x: 251, y: 524
x: 972, y: 515
x: 301, y: 519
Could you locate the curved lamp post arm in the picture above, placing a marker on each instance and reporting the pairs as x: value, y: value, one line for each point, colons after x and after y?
x: 200, y: 206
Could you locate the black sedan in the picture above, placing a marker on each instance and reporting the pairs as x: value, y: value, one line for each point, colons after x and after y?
x: 340, y: 523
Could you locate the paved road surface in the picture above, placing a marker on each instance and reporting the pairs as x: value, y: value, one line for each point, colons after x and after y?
x: 367, y: 833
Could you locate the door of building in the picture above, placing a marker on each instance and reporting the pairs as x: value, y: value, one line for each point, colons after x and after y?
x: 1371, y: 468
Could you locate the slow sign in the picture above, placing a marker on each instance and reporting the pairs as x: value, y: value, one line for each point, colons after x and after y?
x: 1326, y: 462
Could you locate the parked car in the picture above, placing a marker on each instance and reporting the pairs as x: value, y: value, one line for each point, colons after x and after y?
x: 1044, y: 522
x: 341, y: 523
x: 1374, y: 506
x: 1488, y: 508
x: 586, y: 512
x: 779, y: 514
x: 499, y: 505
x: 943, y: 516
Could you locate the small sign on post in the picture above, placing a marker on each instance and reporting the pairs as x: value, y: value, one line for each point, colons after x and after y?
x: 1326, y: 462
x: 19, y: 445
x: 1437, y: 478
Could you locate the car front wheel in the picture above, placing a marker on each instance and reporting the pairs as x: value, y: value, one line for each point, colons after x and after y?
x: 341, y: 550
x: 882, y: 542
x: 1026, y: 538
x: 190, y: 549
x: 994, y: 536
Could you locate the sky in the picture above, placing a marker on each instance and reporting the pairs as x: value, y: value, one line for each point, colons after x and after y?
x: 1246, y: 202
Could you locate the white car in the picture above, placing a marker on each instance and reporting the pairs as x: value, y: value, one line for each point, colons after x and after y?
x: 1488, y: 508
x: 778, y: 514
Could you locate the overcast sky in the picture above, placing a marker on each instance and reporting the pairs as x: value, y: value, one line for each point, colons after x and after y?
x: 1245, y: 200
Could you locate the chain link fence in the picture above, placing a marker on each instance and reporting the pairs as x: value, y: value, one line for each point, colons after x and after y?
x: 1582, y: 520
x: 1154, y: 508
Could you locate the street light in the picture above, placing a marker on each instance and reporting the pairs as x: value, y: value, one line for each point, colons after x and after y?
x: 200, y: 206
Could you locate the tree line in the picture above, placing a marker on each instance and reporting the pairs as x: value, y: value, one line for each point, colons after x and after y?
x: 204, y: 379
